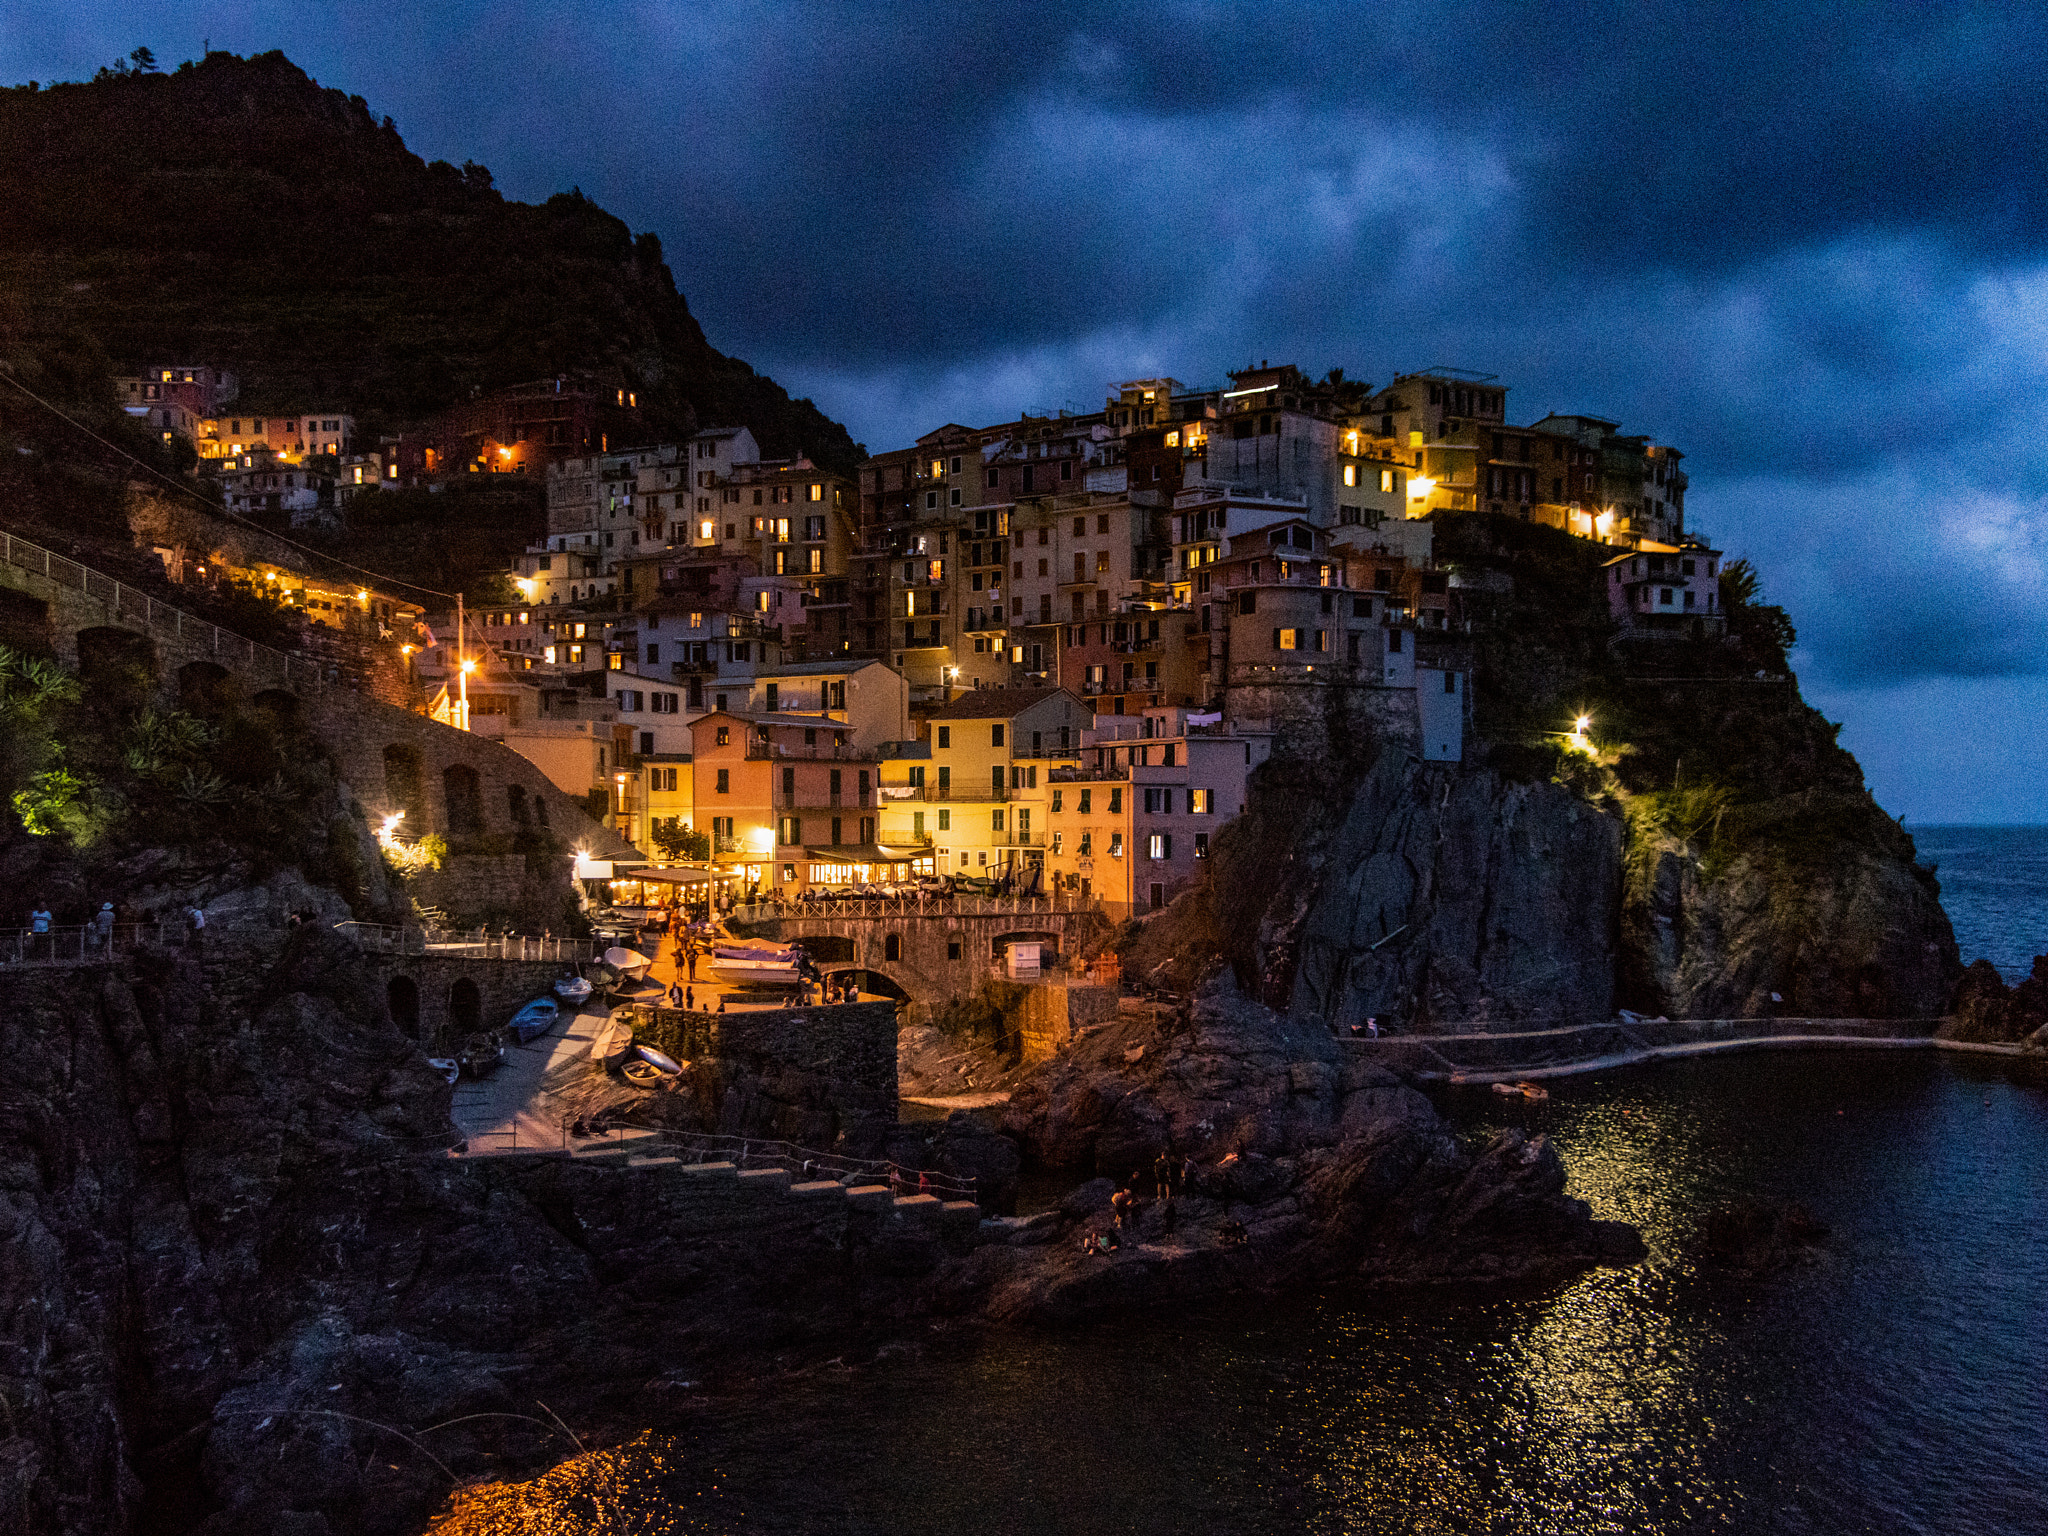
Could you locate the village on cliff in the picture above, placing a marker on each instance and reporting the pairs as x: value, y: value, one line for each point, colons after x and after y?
x: 1041, y: 656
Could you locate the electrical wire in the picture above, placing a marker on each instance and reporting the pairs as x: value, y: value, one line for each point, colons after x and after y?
x: 221, y: 512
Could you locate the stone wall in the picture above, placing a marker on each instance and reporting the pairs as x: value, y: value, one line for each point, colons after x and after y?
x: 1051, y: 1014
x: 502, y: 988
x: 804, y: 1074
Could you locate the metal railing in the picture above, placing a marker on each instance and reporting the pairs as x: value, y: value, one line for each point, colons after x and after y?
x: 477, y: 944
x: 914, y: 905
x: 160, y: 618
x: 87, y: 943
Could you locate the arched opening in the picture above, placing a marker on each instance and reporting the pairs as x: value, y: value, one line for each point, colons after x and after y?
x: 463, y: 792
x: 24, y: 623
x: 892, y: 947
x: 465, y: 1006
x: 878, y: 984
x: 205, y: 687
x: 515, y: 804
x: 402, y: 997
x: 405, y: 786
x: 828, y: 948
x: 117, y: 668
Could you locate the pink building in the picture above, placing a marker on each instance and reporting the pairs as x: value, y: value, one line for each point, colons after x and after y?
x: 1667, y: 591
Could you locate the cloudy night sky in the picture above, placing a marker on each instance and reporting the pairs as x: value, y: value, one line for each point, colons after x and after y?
x: 1806, y: 244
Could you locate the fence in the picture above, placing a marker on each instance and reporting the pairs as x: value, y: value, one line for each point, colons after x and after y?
x: 86, y: 943
x: 385, y: 939
x: 913, y: 905
x: 193, y: 634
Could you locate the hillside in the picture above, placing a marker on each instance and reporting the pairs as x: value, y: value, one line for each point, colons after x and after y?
x: 234, y: 211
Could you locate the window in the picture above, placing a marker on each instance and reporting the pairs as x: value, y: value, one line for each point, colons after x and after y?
x: 1086, y: 847
x: 1387, y: 481
x: 1116, y: 845
x: 945, y: 736
x: 1116, y: 802
x: 1058, y: 801
x: 721, y: 828
x: 1201, y: 845
x: 892, y: 947
x: 1201, y: 802
x: 1286, y: 639
x: 1247, y: 602
x: 917, y: 825
x: 1159, y: 846
x: 725, y: 781
x: 945, y: 821
x: 1083, y: 806
x: 995, y: 735
x: 952, y: 949
x: 995, y: 821
x: 790, y: 834
x: 1351, y: 474
x: 1393, y: 642
x: 724, y: 731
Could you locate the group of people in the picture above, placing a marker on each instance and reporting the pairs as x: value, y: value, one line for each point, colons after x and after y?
x: 99, y: 928
x: 1168, y: 1180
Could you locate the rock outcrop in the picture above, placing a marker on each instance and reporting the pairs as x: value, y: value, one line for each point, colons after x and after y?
x: 1987, y: 1011
x: 1332, y: 1168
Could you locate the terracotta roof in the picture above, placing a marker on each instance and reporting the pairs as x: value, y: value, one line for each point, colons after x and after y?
x: 994, y: 703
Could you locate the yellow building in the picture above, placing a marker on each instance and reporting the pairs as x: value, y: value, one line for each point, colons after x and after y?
x: 979, y: 796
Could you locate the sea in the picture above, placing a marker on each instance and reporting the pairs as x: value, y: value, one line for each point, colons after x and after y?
x: 1896, y: 1384
x: 1994, y: 887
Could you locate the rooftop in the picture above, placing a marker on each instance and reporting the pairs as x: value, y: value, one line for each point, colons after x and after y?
x: 995, y: 703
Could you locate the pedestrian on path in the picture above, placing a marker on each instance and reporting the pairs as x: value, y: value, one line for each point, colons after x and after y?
x: 1162, y: 1169
x: 690, y: 998
x: 691, y: 954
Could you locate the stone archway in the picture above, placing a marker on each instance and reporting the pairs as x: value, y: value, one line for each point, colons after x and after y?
x: 205, y: 687
x: 405, y: 786
x: 465, y: 1006
x: 402, y: 997
x: 24, y: 623
x: 117, y: 668
x: 462, y: 791
x: 285, y: 706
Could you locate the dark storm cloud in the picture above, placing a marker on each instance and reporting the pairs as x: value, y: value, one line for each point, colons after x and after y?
x: 1808, y: 244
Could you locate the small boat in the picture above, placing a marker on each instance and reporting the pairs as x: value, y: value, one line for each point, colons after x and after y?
x: 1507, y: 1090
x: 614, y: 1042
x: 447, y: 1066
x: 535, y: 1019
x: 629, y: 963
x: 1534, y: 1092
x: 572, y: 990
x: 757, y: 964
x: 655, y: 1059
x: 640, y: 1074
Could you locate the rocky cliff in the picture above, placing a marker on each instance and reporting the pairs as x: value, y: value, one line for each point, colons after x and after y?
x: 250, y: 1292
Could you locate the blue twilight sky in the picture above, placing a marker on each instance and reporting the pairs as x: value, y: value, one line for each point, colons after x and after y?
x: 1808, y: 244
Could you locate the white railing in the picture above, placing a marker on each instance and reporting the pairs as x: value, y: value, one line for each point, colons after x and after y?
x: 87, y: 943
x: 477, y: 944
x: 194, y: 634
x: 822, y: 907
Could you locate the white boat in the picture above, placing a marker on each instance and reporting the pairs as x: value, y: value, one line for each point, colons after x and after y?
x: 627, y: 962
x: 573, y: 990
x: 736, y: 972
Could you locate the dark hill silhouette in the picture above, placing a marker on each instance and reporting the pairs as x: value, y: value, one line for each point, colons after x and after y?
x: 234, y: 211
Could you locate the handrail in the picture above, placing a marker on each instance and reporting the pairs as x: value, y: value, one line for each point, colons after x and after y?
x: 194, y: 632
x: 478, y: 944
x: 86, y: 943
x: 1048, y: 904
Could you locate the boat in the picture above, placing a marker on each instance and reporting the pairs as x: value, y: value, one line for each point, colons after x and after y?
x: 629, y: 963
x: 535, y: 1019
x: 756, y: 964
x: 639, y: 1073
x: 658, y: 1060
x: 1507, y: 1090
x: 572, y: 990
x: 614, y: 1043
x: 1535, y: 1092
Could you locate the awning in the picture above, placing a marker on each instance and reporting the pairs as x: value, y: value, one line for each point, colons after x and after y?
x: 860, y: 853
x: 672, y: 876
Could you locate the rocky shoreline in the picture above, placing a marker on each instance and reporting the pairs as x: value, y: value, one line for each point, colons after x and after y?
x: 246, y: 1267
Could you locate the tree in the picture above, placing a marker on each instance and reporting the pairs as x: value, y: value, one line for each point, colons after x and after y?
x: 675, y: 839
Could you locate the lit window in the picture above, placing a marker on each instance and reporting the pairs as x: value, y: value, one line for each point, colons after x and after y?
x: 1159, y: 846
x: 704, y: 529
x: 1116, y: 845
x: 1351, y: 474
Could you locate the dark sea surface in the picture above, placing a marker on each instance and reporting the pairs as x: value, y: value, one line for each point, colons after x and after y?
x: 1897, y: 1385
x: 1994, y: 887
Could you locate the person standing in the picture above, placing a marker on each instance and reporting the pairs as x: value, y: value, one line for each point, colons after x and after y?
x: 1162, y: 1168
x: 691, y: 959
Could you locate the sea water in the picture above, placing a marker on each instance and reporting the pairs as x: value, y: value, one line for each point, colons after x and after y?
x: 1899, y: 1383
x: 1994, y: 887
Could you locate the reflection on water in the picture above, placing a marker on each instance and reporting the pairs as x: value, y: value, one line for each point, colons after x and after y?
x: 1897, y: 1385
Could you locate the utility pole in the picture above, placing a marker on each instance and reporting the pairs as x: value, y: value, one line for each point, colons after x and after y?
x: 461, y: 662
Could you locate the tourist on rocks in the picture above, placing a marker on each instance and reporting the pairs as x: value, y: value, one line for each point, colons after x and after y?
x: 1162, y: 1169
x: 1120, y: 1206
x: 1187, y: 1171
